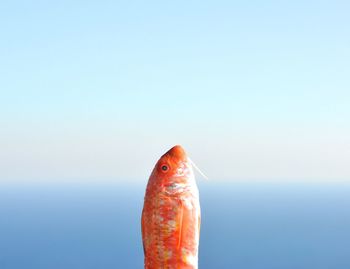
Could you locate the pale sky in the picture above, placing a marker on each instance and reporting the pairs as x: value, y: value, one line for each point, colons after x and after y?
x: 98, y: 90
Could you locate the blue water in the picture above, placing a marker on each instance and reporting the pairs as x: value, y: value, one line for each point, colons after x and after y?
x: 244, y: 226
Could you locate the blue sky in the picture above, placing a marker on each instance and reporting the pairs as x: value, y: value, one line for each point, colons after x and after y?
x: 98, y: 90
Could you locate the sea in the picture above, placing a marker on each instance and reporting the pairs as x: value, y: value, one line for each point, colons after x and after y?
x: 244, y: 225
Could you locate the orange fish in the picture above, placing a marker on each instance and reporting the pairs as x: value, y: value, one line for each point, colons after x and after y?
x: 171, y: 214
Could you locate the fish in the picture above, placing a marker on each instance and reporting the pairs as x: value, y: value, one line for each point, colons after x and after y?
x: 171, y: 217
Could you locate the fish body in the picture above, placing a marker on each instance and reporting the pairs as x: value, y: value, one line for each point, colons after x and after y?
x: 171, y: 214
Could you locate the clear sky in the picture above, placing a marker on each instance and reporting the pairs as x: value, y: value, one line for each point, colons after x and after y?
x: 98, y: 90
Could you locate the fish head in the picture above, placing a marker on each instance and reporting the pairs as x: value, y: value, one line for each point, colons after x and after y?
x: 174, y: 164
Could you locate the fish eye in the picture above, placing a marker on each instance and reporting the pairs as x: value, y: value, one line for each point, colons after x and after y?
x: 164, y: 168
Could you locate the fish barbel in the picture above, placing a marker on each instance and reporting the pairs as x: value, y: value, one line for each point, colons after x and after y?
x: 171, y: 214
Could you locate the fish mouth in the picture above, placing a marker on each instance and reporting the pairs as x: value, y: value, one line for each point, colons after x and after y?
x: 177, y: 152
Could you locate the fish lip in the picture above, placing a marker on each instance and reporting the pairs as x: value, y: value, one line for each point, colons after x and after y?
x: 177, y: 152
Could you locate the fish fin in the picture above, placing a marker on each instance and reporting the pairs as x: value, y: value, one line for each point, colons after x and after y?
x: 199, y: 225
x: 143, y: 231
x: 180, y: 225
